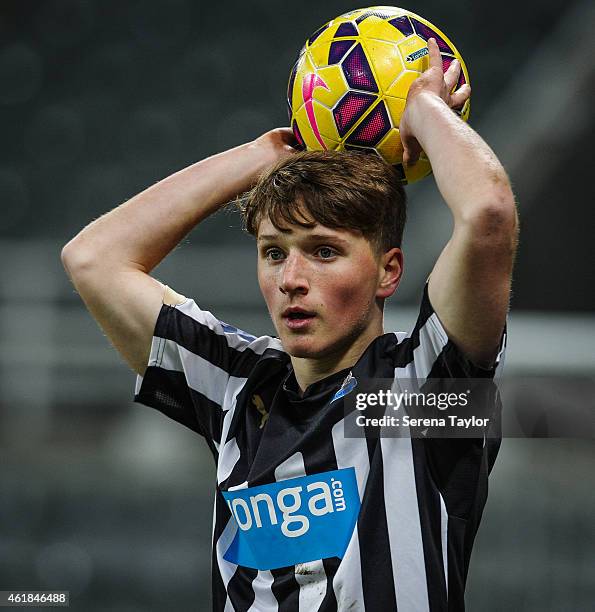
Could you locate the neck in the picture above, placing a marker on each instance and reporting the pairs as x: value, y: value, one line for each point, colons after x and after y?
x: 309, y: 370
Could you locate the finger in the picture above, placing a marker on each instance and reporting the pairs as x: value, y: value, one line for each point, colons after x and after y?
x: 434, y: 51
x: 460, y: 96
x: 451, y: 76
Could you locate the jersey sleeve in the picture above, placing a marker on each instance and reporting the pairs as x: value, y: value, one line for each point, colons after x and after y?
x: 428, y: 352
x: 197, y: 366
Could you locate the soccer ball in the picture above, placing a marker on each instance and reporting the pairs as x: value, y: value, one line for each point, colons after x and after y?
x: 348, y: 87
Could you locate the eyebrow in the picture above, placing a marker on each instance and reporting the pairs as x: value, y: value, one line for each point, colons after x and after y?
x: 268, y: 237
x: 310, y: 237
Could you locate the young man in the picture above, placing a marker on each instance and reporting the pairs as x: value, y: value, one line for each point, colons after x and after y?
x: 306, y: 518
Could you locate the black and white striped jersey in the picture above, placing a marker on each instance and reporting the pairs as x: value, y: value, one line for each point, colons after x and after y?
x: 306, y: 518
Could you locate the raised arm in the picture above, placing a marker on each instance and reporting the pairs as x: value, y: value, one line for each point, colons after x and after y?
x: 110, y: 260
x: 469, y: 286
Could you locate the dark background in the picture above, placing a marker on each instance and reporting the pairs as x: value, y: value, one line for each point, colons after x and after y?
x: 99, y: 99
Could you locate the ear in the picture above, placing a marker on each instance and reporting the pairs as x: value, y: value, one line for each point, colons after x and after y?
x: 390, y: 272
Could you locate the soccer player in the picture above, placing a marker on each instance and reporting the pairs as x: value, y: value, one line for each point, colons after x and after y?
x: 306, y: 518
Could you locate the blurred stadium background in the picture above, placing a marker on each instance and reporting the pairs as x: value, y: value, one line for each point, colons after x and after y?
x: 99, y: 99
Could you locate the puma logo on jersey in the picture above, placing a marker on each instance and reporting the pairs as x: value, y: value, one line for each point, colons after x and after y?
x: 259, y: 405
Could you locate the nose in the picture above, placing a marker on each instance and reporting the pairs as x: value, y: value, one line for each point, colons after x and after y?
x: 293, y: 277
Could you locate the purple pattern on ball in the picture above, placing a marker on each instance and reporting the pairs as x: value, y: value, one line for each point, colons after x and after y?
x: 371, y: 130
x: 350, y: 108
x: 317, y: 33
x: 358, y: 72
x: 402, y: 24
x: 447, y: 60
x: 338, y: 50
x: 462, y: 80
x: 346, y: 29
x: 298, y: 136
x: 426, y: 32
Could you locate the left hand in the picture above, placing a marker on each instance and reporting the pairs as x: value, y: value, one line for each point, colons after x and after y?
x: 434, y: 82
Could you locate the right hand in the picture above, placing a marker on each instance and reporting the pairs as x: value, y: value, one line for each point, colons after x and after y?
x: 433, y: 82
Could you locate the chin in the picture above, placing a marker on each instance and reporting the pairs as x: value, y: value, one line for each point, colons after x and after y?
x: 308, y: 347
x: 300, y: 351
x: 302, y: 347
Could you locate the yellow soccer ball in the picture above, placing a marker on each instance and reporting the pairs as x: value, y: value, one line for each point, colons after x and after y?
x: 348, y: 87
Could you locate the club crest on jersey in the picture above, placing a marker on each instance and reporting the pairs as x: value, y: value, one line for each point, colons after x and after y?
x: 293, y: 521
x: 349, y: 384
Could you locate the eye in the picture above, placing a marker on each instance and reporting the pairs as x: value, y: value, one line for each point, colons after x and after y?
x: 274, y: 254
x: 326, y: 252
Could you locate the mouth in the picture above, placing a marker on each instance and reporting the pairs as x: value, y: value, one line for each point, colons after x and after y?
x: 297, y: 318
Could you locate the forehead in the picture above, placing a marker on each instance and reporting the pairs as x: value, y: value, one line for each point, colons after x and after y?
x: 267, y: 231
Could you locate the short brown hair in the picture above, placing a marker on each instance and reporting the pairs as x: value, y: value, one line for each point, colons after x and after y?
x: 337, y: 189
